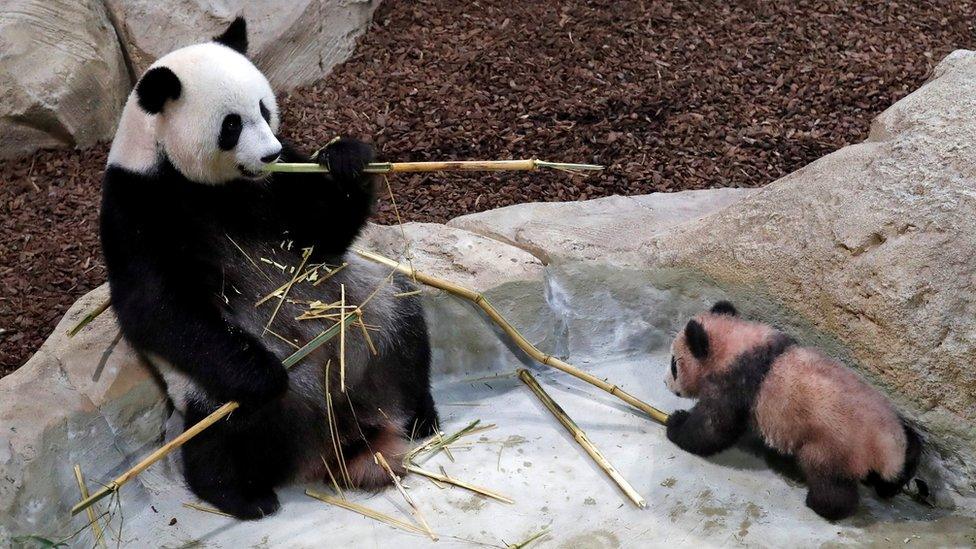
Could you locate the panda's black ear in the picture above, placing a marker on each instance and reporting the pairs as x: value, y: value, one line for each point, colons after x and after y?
x: 235, y: 37
x: 697, y: 339
x: 155, y: 87
x: 724, y: 308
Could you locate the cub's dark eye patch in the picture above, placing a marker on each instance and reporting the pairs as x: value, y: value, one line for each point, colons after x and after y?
x: 674, y: 368
x: 230, y: 132
x: 265, y: 113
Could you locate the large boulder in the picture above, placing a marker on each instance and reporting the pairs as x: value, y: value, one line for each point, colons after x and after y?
x: 63, y: 78
x: 86, y: 399
x: 293, y: 42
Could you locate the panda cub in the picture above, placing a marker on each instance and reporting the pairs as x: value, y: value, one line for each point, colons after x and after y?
x: 194, y: 231
x: 801, y: 402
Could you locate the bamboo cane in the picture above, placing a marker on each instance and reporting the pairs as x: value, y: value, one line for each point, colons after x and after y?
x: 195, y: 430
x: 95, y: 526
x: 531, y: 350
x: 444, y: 166
x: 581, y: 437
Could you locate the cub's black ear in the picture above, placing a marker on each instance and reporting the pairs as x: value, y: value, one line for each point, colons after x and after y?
x: 724, y: 308
x: 235, y: 37
x: 697, y: 339
x: 155, y: 87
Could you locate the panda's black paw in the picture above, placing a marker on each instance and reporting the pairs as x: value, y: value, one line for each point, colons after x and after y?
x: 675, y: 421
x: 346, y: 158
x: 247, y: 506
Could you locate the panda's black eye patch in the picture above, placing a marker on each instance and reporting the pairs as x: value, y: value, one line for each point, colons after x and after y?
x: 230, y: 132
x: 265, y: 113
x: 674, y: 368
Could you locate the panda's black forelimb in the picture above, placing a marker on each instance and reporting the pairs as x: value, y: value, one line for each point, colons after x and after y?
x: 708, y: 428
x: 326, y: 211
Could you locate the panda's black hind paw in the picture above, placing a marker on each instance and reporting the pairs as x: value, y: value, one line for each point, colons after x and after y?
x: 246, y: 506
x: 346, y: 158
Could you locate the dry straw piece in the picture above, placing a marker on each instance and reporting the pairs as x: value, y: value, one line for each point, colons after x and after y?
x: 444, y: 166
x: 89, y: 317
x: 381, y: 461
x: 518, y: 338
x: 365, y: 511
x: 581, y: 437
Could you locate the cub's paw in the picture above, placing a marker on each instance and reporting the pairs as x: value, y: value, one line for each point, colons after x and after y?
x: 346, y: 158
x: 675, y: 421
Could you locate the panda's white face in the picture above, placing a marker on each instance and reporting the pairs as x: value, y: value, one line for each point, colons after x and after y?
x: 208, y: 109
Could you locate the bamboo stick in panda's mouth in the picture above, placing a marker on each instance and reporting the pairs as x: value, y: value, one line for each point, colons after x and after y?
x: 526, y: 165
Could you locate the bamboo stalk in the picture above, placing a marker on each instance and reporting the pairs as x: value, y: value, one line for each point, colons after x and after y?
x: 364, y: 511
x: 531, y: 350
x: 397, y: 482
x: 443, y: 166
x: 193, y: 431
x: 159, y: 454
x: 92, y: 520
x: 581, y: 437
x: 89, y: 317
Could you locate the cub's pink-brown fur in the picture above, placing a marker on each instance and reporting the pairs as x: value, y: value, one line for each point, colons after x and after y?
x: 800, y: 401
x: 813, y: 407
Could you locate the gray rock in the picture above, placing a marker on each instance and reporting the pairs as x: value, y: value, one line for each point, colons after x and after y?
x: 604, y: 228
x: 293, y: 42
x: 63, y: 78
x: 87, y: 400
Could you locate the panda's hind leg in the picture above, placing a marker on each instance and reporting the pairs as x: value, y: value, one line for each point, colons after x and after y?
x: 215, y: 472
x: 831, y: 497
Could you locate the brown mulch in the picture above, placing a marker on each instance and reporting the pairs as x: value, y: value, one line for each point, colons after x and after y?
x: 669, y: 95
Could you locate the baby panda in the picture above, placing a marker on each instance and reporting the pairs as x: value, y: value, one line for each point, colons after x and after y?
x: 195, y: 234
x: 800, y: 402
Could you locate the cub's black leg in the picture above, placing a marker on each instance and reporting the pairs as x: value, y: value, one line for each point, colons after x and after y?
x: 831, y: 497
x: 884, y: 489
x: 710, y: 427
x: 213, y: 471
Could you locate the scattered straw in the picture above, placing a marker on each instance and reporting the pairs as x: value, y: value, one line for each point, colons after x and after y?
x: 527, y: 541
x: 365, y: 511
x: 287, y: 287
x: 381, y: 461
x: 205, y: 509
x: 89, y: 317
x: 329, y: 275
x: 443, y: 477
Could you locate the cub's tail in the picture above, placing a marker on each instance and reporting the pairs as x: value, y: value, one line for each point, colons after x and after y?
x: 913, y: 454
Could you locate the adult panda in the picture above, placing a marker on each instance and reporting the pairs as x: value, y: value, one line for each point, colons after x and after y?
x: 188, y: 214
